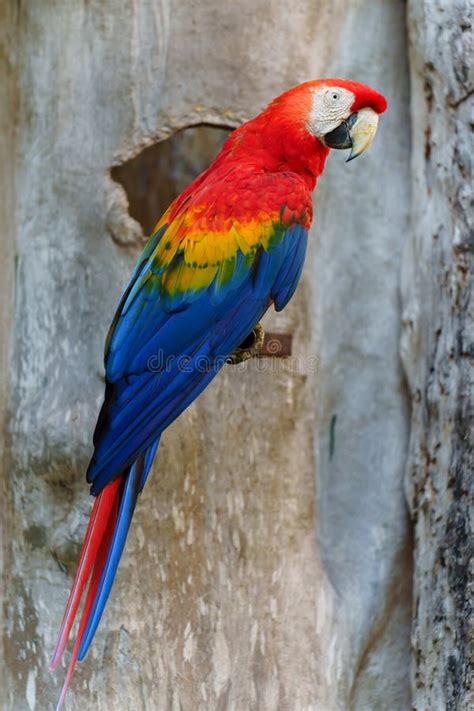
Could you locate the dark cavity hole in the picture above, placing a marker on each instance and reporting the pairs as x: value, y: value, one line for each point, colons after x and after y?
x: 249, y: 341
x: 159, y: 173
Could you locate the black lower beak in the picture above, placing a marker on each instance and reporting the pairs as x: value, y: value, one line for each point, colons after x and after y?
x: 340, y: 137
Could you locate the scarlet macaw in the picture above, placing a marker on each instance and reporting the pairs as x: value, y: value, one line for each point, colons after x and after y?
x: 228, y: 247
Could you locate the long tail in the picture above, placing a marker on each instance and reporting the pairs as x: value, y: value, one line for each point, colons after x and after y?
x: 98, y: 561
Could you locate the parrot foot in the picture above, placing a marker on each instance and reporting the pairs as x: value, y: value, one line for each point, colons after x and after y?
x: 250, y: 346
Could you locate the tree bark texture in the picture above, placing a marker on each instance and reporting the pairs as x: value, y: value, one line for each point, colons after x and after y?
x: 438, y: 352
x: 269, y: 562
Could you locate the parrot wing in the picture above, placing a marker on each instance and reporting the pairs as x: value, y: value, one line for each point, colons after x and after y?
x: 200, y: 287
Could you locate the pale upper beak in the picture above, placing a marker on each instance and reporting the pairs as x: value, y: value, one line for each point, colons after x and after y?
x: 357, y: 132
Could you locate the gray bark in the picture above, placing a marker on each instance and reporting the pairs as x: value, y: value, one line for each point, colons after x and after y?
x: 362, y: 409
x: 437, y: 347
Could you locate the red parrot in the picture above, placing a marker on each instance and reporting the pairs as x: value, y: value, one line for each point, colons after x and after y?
x: 231, y: 245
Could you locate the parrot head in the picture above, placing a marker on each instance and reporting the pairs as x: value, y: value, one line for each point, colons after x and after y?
x: 297, y: 129
x: 339, y: 113
x: 345, y: 114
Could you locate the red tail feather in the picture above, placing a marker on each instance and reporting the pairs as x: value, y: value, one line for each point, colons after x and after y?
x: 99, y: 564
x: 98, y: 523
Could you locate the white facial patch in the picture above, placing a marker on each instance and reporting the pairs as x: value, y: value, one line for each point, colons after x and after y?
x: 331, y: 105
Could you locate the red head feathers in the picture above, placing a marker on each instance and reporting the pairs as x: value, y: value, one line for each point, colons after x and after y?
x: 297, y: 129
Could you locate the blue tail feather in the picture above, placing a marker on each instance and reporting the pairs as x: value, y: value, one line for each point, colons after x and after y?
x: 127, y: 507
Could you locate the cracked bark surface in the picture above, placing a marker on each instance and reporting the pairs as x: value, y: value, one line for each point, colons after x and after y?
x: 438, y: 353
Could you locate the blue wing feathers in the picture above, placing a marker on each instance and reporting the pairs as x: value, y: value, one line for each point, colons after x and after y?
x: 290, y: 271
x: 146, y: 391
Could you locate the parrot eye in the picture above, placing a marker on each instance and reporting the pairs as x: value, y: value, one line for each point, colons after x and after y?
x: 335, y: 95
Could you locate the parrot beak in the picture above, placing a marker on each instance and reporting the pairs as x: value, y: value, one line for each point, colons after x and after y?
x: 357, y: 132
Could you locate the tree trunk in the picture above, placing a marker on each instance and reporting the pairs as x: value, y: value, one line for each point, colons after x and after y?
x: 437, y: 347
x: 269, y: 562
